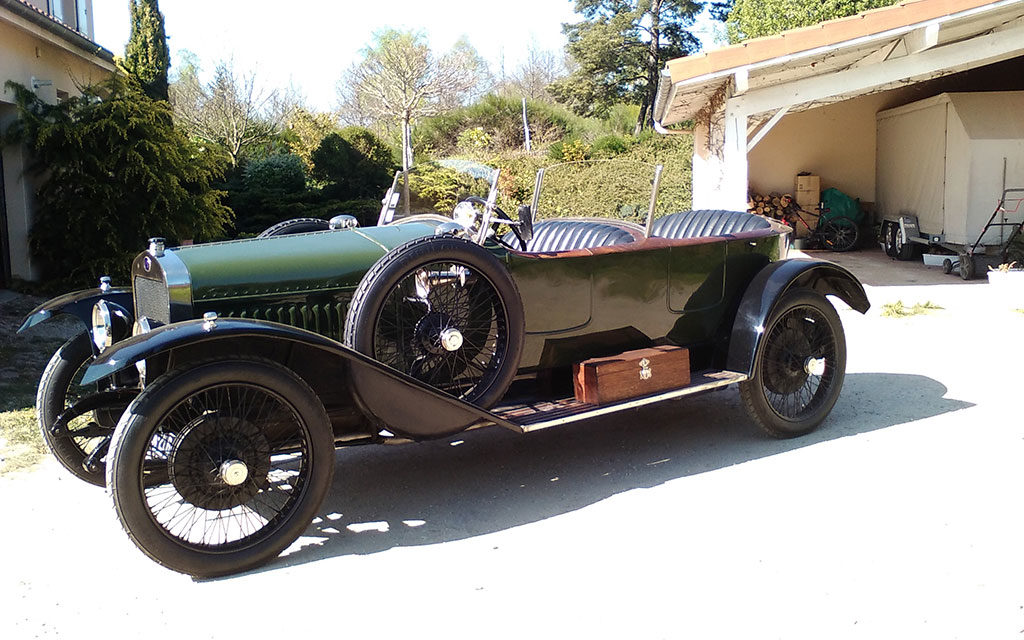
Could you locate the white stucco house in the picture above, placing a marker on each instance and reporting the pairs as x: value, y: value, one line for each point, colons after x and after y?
x: 46, y: 45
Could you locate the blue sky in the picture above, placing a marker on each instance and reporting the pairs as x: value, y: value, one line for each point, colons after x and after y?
x: 309, y: 43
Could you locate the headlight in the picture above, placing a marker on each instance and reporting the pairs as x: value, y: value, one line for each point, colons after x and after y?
x: 102, y: 328
x: 465, y: 214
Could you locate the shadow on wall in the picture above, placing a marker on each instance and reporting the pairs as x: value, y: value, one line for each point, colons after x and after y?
x: 490, y: 480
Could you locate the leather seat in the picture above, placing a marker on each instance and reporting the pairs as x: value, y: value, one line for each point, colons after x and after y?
x: 706, y: 223
x: 566, y: 235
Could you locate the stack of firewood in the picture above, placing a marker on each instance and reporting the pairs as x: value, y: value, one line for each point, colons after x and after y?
x: 774, y: 205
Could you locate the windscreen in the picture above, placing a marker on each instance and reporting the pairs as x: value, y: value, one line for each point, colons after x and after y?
x: 435, y: 187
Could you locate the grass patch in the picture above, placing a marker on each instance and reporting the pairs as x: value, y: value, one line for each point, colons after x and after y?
x: 22, y: 359
x: 899, y: 310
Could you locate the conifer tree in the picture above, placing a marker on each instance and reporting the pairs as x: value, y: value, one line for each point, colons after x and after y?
x: 146, y: 56
x: 112, y: 170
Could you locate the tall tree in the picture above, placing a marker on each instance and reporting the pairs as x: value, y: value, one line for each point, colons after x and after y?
x: 400, y: 80
x: 621, y: 47
x: 146, y: 56
x: 757, y: 18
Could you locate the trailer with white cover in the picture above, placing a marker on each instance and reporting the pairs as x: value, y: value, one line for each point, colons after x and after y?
x: 950, y: 172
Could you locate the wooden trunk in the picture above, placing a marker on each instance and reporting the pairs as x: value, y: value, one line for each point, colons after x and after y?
x: 631, y: 374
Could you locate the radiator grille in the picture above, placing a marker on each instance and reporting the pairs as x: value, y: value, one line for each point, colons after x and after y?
x: 152, y: 300
x: 327, y: 319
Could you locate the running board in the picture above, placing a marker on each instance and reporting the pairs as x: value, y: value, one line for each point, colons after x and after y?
x: 542, y: 415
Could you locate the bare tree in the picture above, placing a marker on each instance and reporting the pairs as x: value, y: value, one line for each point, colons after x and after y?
x: 232, y: 110
x: 532, y: 78
x: 400, y: 80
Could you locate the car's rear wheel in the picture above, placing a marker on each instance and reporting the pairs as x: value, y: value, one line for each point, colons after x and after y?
x: 58, y: 389
x: 218, y: 467
x: 296, y: 225
x: 444, y: 311
x: 799, y: 366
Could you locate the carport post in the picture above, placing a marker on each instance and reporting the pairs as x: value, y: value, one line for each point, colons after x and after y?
x: 734, y: 183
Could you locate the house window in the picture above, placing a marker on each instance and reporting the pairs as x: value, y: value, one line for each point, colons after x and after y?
x: 83, y: 18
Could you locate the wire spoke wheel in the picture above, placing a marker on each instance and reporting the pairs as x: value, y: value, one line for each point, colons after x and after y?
x: 59, y: 388
x: 231, y: 460
x: 446, y: 312
x: 443, y: 323
x: 218, y: 473
x: 800, y: 366
x: 797, y: 363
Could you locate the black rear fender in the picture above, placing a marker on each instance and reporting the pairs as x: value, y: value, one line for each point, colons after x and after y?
x: 344, y: 380
x: 79, y: 304
x: 769, y: 285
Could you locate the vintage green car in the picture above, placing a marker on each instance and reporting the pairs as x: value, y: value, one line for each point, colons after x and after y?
x: 213, y: 393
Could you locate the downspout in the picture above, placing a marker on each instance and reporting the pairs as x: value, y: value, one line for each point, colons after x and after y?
x: 661, y: 104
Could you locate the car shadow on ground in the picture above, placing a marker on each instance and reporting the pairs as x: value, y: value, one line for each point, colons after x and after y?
x: 492, y: 479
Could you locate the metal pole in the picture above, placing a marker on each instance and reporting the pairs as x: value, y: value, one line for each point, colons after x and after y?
x: 526, y: 127
x: 537, y: 185
x: 654, y: 200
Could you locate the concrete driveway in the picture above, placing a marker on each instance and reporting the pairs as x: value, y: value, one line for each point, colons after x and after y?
x: 899, y: 518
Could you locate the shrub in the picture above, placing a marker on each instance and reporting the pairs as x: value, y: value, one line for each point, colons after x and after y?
x: 353, y: 163
x: 573, y: 150
x: 473, y: 139
x: 620, y: 187
x: 609, y: 146
x: 285, y: 172
x: 621, y: 118
x: 501, y: 118
x: 113, y: 171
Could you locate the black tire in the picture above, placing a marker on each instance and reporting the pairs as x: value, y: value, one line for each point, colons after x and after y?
x: 840, y: 234
x: 967, y: 266
x: 296, y: 225
x: 58, y: 388
x: 904, y: 252
x: 782, y: 396
x: 483, y: 304
x: 890, y: 231
x: 947, y: 266
x: 166, y: 483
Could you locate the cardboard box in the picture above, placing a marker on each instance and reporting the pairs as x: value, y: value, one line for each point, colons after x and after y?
x: 807, y: 183
x: 807, y: 191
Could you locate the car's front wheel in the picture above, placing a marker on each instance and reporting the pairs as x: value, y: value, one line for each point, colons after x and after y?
x: 799, y: 366
x: 218, y: 467
x: 59, y: 389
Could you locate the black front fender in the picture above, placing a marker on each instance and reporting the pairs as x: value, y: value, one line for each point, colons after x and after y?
x: 407, y: 406
x: 79, y: 304
x: 769, y: 285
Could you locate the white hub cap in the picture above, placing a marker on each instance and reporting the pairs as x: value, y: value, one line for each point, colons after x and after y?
x: 815, y: 366
x: 233, y: 472
x: 451, y: 339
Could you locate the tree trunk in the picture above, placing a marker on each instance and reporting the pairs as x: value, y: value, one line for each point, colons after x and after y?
x: 406, y: 142
x: 646, y: 118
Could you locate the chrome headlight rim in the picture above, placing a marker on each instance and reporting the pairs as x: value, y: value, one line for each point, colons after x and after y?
x: 102, y: 326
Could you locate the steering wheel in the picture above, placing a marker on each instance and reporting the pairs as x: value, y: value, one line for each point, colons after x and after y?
x: 496, y: 220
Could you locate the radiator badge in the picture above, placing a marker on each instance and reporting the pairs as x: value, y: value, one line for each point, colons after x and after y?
x: 645, y: 369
